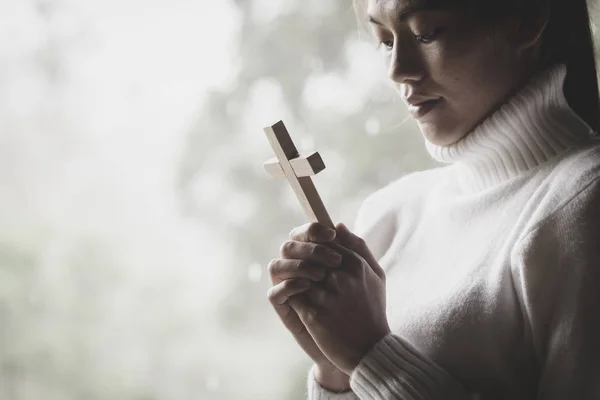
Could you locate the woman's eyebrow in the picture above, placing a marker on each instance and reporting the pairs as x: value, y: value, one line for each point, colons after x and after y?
x: 406, y: 11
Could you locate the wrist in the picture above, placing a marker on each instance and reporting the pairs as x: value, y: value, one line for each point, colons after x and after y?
x: 331, y: 378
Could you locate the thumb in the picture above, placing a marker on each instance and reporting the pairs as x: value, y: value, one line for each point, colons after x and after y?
x: 359, y: 246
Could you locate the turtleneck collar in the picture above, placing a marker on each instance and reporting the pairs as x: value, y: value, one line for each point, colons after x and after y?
x: 533, y: 126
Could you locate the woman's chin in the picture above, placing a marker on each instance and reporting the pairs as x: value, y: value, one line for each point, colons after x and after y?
x: 440, y: 136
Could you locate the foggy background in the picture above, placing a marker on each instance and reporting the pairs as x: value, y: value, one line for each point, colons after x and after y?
x: 136, y: 220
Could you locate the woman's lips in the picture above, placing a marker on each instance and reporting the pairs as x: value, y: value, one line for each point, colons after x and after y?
x: 418, y: 111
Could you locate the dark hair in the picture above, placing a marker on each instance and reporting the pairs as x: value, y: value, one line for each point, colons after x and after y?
x: 567, y: 39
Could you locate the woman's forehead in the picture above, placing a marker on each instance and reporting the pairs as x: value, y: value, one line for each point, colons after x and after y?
x: 400, y: 9
x: 403, y: 6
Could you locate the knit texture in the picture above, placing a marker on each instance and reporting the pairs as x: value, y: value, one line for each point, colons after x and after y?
x: 530, y: 129
x: 492, y: 262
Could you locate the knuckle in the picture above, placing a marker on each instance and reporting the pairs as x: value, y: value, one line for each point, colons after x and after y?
x: 360, y: 241
x: 286, y: 248
x: 272, y: 266
x: 272, y: 294
x: 286, y: 285
x: 299, y: 232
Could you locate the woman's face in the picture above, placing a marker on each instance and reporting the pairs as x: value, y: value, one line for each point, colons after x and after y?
x: 451, y: 69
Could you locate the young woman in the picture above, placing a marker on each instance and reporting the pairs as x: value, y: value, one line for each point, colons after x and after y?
x: 480, y: 279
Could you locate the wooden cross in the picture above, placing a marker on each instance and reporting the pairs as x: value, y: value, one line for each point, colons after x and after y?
x: 298, y: 170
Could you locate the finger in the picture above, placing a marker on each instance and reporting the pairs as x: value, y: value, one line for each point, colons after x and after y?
x: 280, y: 293
x: 306, y: 311
x: 352, y: 262
x: 356, y: 264
x: 288, y: 316
x: 282, y: 269
x: 310, y: 315
x: 314, y: 252
x: 313, y: 232
x: 358, y: 245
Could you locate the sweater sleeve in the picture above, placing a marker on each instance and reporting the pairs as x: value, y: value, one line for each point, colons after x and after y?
x: 318, y: 392
x: 392, y: 369
x: 556, y: 270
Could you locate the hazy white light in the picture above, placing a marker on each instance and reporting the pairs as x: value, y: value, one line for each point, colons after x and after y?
x: 265, y: 106
x: 286, y: 199
x: 21, y: 29
x: 334, y: 161
x: 315, y: 64
x: 213, y: 382
x: 307, y: 144
x: 366, y: 68
x: 331, y: 92
x: 239, y: 207
x: 264, y: 11
x: 233, y: 108
x: 255, y: 272
x: 318, y: 8
x: 210, y: 187
x: 372, y: 126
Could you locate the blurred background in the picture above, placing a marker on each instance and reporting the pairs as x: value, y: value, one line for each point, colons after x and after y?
x: 136, y: 220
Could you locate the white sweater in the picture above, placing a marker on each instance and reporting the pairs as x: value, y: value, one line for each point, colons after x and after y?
x: 492, y: 262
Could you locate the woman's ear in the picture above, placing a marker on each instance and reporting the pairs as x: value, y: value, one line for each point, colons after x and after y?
x: 528, y: 30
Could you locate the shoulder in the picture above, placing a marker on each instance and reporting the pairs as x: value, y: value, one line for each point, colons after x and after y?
x: 577, y: 168
x: 573, y: 182
x: 564, y: 244
x: 571, y: 202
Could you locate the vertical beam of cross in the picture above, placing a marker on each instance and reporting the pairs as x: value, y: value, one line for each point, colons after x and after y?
x: 303, y: 186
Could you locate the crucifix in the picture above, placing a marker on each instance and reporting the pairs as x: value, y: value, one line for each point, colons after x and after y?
x: 297, y: 169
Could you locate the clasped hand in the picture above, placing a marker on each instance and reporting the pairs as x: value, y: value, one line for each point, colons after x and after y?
x: 329, y: 291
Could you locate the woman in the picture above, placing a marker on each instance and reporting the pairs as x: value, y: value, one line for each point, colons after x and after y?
x: 492, y: 262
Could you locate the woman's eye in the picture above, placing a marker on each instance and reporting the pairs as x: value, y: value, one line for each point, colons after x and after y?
x: 428, y: 38
x: 387, y: 44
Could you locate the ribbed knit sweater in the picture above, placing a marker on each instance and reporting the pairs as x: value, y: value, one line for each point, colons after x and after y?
x: 492, y: 262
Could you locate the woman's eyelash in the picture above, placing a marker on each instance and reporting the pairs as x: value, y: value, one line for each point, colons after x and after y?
x: 428, y: 38
x: 424, y: 39
x: 389, y: 44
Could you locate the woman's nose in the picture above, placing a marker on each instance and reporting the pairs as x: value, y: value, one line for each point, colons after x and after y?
x: 405, y: 64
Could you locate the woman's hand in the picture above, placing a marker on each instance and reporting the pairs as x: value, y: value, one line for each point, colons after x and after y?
x: 346, y: 316
x: 305, y: 259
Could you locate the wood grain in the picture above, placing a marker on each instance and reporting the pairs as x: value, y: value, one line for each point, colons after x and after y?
x: 303, y: 186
